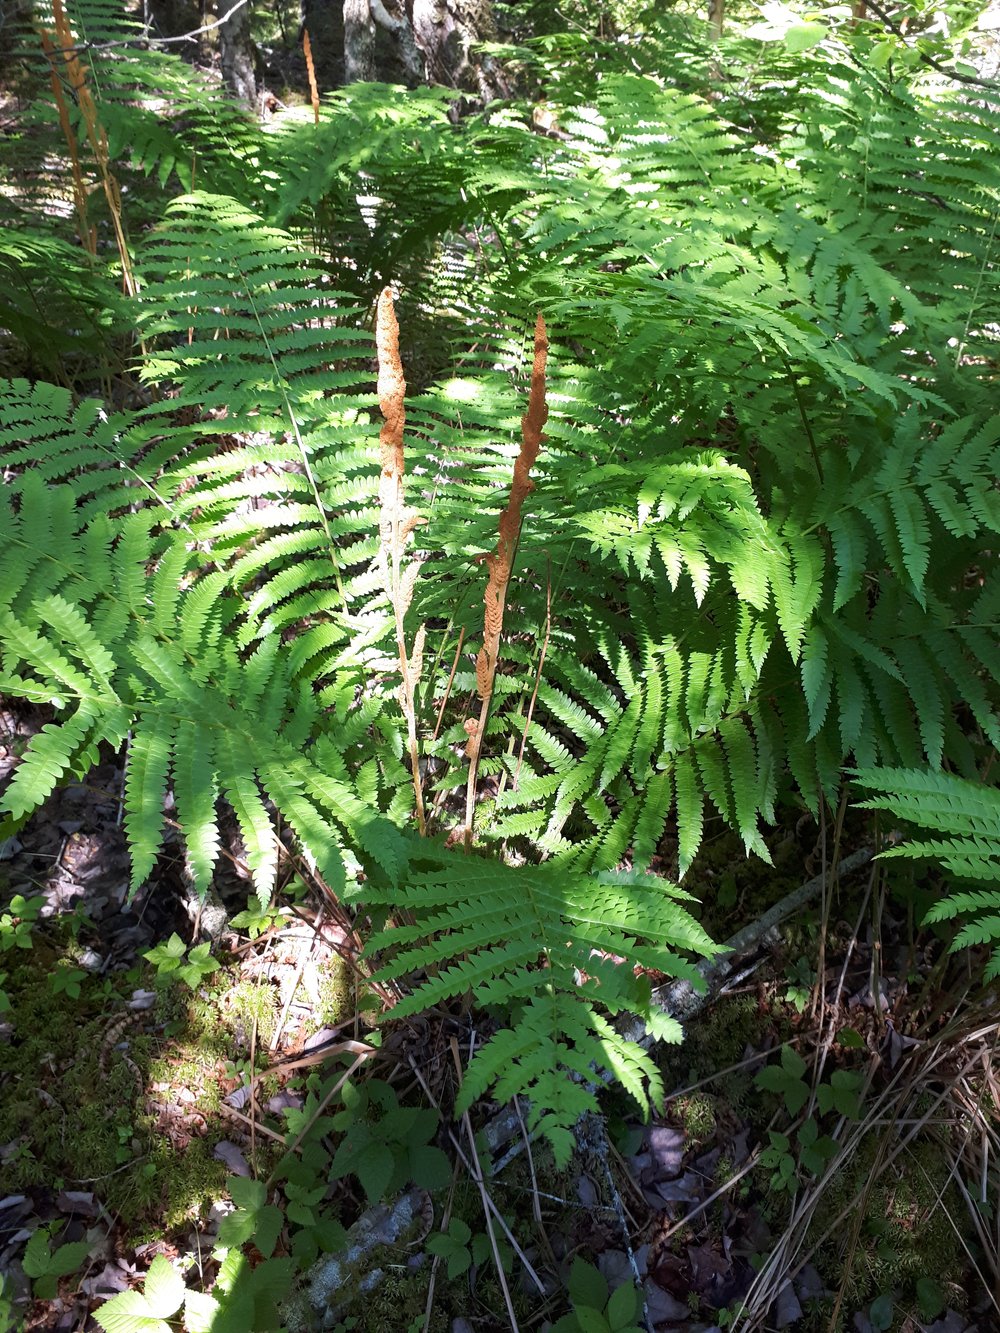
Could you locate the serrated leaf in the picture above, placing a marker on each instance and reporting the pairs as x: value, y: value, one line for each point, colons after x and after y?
x: 200, y: 1312
x: 129, y: 1313
x: 429, y: 1167
x: 587, y: 1286
x: 68, y: 1258
x: 623, y: 1307
x: 163, y: 1289
x: 374, y: 1166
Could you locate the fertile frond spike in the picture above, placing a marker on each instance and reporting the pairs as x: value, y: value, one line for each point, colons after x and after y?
x: 500, y: 563
x: 396, y: 525
x: 391, y: 395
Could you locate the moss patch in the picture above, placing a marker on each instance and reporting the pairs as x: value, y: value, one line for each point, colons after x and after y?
x: 76, y: 1111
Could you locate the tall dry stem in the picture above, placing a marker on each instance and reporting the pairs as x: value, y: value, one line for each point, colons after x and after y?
x: 396, y: 524
x: 500, y: 564
x: 76, y: 73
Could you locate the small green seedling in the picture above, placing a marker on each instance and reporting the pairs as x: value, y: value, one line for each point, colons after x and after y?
x: 931, y: 1299
x: 594, y: 1309
x: 19, y: 921
x: 778, y: 1157
x: 787, y: 1079
x: 842, y: 1094
x: 880, y: 1313
x: 65, y: 980
x: 385, y: 1144
x: 801, y: 979
x: 256, y: 920
x: 254, y: 1218
x: 168, y: 959
x: 145, y: 1311
x: 453, y: 1246
x: 46, y: 1266
x: 815, y: 1149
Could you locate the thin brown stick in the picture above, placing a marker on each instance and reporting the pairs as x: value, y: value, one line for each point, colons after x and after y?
x: 88, y: 234
x: 500, y: 563
x: 77, y: 73
x: 447, y: 688
x: 396, y: 524
x: 492, y: 1208
x: 477, y: 1176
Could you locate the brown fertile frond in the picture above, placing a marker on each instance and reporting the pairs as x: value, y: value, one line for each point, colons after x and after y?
x: 391, y: 391
x: 500, y: 563
x: 311, y: 72
x: 397, y: 523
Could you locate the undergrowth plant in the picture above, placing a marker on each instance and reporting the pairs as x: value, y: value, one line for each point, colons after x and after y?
x: 963, y: 821
x: 755, y: 541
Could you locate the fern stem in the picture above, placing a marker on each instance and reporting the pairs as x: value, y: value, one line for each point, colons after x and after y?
x: 500, y: 563
x: 806, y: 426
x: 98, y: 139
x: 450, y: 682
x: 538, y: 673
x: 299, y: 442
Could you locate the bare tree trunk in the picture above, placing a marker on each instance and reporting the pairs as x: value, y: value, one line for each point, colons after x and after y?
x: 324, y: 21
x: 447, y: 31
x: 379, y: 44
x: 236, y: 50
x: 421, y: 41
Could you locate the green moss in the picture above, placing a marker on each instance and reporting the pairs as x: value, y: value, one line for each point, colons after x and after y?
x: 336, y: 993
x: 184, y: 1183
x: 81, y: 1125
x: 904, y: 1233
x: 715, y: 1041
x: 697, y: 1115
x: 248, y: 1007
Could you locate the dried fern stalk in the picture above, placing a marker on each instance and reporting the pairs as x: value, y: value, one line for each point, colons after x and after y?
x: 396, y: 525
x: 76, y: 73
x: 500, y: 564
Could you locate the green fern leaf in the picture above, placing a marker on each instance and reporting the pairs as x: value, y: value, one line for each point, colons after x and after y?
x: 145, y: 789
x: 51, y: 753
x: 195, y: 793
x: 236, y: 777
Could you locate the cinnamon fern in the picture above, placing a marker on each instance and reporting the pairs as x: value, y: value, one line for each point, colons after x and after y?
x: 758, y: 545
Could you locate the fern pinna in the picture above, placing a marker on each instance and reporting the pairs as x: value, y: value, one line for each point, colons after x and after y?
x: 963, y: 818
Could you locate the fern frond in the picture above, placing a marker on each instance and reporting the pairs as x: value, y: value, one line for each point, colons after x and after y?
x: 538, y: 934
x: 968, y: 813
x: 145, y: 789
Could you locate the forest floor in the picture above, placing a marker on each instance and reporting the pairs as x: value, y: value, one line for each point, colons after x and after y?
x: 823, y: 1155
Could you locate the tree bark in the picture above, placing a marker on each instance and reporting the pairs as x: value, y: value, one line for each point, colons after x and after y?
x: 421, y: 41
x: 379, y: 44
x: 237, y: 53
x: 447, y: 31
x: 324, y: 21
